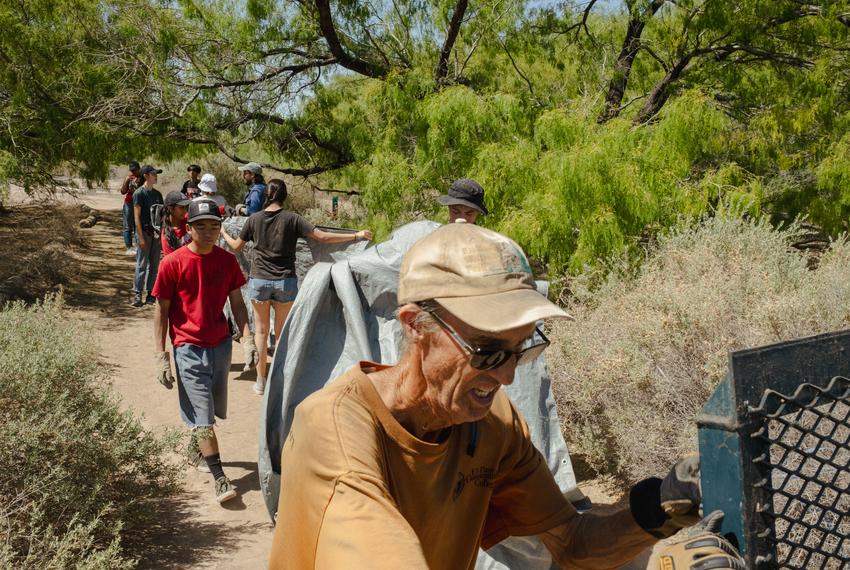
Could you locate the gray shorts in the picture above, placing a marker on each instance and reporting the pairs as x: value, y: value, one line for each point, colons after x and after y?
x: 202, y: 382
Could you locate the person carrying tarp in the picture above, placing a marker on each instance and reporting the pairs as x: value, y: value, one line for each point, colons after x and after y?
x: 193, y: 284
x: 275, y: 232
x: 417, y: 464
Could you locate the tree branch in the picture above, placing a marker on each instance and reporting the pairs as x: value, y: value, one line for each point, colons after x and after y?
x: 451, y: 37
x: 345, y: 59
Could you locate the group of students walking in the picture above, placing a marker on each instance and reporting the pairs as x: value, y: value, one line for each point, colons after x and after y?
x: 189, y: 278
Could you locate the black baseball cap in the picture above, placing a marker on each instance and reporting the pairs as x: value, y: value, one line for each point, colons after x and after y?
x: 465, y: 192
x: 177, y: 198
x: 203, y: 210
x: 148, y: 169
x: 193, y: 168
x: 133, y: 165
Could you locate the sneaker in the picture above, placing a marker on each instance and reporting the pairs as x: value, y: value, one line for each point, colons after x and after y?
x: 194, y: 457
x: 131, y: 251
x: 224, y: 490
x: 260, y: 386
x: 150, y: 300
x: 137, y: 301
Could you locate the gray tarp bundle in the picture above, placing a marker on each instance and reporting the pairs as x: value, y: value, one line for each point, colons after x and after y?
x: 344, y: 313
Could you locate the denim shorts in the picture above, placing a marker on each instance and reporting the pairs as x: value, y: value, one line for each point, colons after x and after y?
x: 279, y: 290
x: 202, y: 382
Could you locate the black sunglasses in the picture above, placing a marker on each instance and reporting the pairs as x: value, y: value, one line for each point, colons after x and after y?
x: 487, y: 358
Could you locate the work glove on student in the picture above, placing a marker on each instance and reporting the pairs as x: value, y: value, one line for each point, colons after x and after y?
x: 249, y: 350
x: 700, y: 548
x: 163, y: 369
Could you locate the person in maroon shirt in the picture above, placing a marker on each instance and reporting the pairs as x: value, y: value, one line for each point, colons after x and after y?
x: 191, y: 288
x: 131, y: 182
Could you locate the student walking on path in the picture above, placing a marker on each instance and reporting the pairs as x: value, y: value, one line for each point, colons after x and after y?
x: 275, y: 232
x: 147, y: 243
x: 174, y: 233
x: 131, y: 182
x: 192, y: 287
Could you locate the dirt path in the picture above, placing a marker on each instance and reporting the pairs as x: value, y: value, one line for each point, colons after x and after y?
x: 195, y: 531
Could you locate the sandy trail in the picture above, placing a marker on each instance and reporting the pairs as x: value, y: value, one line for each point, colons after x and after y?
x: 195, y: 531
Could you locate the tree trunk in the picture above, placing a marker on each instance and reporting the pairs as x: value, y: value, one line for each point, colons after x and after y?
x: 623, y: 68
x: 451, y: 37
x: 661, y: 91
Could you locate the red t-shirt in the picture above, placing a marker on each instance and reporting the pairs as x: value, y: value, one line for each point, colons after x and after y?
x: 198, y: 286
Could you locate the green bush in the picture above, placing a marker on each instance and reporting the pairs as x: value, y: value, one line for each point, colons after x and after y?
x: 78, y: 472
x: 648, y: 346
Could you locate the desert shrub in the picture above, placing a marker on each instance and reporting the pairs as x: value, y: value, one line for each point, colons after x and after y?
x: 648, y: 346
x: 78, y: 472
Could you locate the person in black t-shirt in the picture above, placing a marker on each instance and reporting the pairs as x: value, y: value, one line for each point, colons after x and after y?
x: 272, y: 281
x: 190, y: 185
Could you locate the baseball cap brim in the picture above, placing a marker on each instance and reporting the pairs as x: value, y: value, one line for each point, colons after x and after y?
x: 503, y: 311
x: 204, y: 217
x: 450, y: 201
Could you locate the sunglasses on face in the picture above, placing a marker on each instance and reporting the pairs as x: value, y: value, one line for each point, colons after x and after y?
x: 483, y: 358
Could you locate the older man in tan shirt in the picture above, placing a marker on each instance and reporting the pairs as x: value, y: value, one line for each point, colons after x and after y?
x: 417, y: 465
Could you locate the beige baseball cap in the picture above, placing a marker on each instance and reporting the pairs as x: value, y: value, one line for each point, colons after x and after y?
x: 480, y: 276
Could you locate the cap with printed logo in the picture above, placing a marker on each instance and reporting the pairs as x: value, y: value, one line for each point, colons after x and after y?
x: 203, y: 210
x: 480, y: 276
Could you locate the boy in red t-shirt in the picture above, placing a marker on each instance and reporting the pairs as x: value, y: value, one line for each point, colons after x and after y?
x: 191, y: 288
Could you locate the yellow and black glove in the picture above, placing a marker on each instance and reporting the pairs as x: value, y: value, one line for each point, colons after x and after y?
x: 681, y: 493
x: 700, y: 548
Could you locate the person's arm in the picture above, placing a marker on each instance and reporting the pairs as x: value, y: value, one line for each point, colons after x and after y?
x: 160, y: 323
x: 137, y: 215
x: 236, y: 244
x: 240, y: 312
x: 322, y: 236
x: 125, y: 187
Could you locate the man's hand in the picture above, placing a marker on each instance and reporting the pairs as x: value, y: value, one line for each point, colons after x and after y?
x: 681, y: 494
x: 363, y: 234
x: 143, y: 243
x: 249, y: 350
x: 163, y: 369
x: 700, y: 548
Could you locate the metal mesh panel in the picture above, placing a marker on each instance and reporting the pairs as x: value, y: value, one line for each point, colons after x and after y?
x: 805, y: 465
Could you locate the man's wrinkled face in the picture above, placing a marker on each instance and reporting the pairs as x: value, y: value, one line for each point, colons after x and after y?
x: 457, y: 211
x: 248, y: 176
x: 455, y: 391
x: 205, y: 232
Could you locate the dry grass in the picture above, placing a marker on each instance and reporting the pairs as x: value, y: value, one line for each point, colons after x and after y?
x: 36, y: 247
x: 648, y: 346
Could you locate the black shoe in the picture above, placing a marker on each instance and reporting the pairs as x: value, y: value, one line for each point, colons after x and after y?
x: 151, y: 300
x: 137, y: 301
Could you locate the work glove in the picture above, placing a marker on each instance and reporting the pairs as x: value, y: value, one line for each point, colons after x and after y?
x: 681, y: 494
x: 163, y: 369
x: 700, y: 548
x: 249, y: 350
